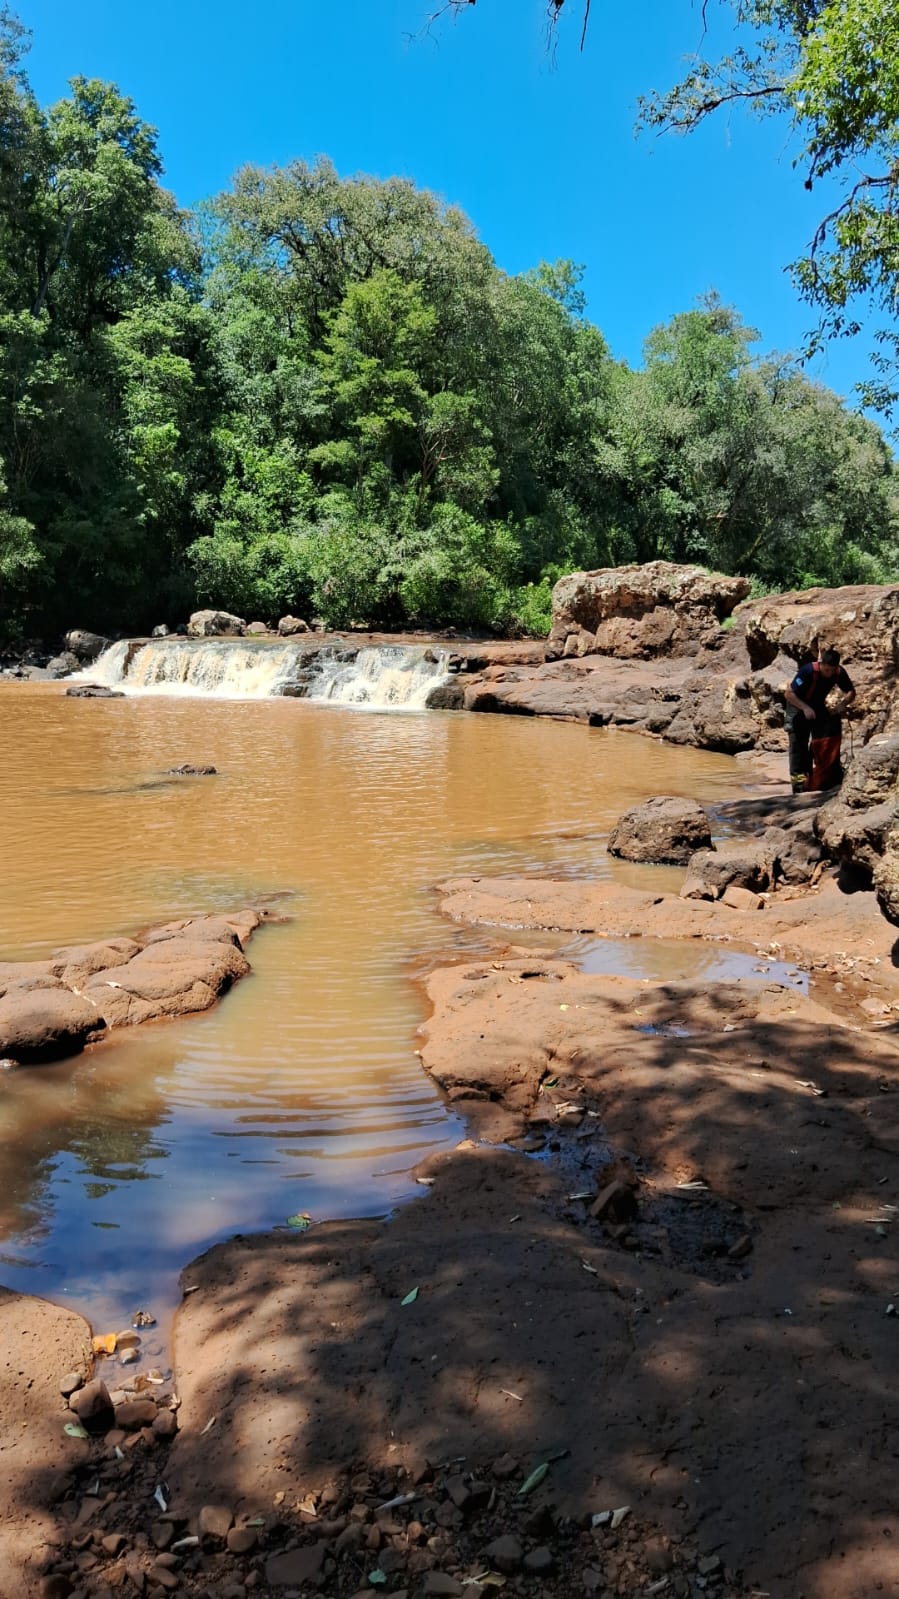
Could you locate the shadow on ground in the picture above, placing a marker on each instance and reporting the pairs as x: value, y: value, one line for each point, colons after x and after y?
x: 757, y: 1412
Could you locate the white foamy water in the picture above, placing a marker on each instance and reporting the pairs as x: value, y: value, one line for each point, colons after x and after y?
x: 386, y: 676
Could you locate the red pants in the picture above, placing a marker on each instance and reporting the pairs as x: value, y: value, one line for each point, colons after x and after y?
x: 826, y: 768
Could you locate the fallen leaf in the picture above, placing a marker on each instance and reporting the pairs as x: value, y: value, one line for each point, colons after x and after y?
x: 410, y: 1297
x: 104, y: 1344
x: 534, y: 1480
x: 426, y: 1182
x: 300, y: 1222
x: 74, y: 1429
x: 377, y: 1579
x: 160, y: 1498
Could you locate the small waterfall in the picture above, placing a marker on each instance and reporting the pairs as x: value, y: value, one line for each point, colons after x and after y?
x: 399, y: 676
x: 387, y: 676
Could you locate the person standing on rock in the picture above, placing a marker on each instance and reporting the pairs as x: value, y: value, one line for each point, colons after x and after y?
x: 814, y: 731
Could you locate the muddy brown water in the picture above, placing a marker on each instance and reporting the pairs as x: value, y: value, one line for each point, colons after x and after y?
x: 301, y: 1091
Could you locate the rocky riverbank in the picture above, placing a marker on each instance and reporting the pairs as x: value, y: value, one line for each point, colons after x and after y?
x: 673, y: 1287
x: 639, y: 1338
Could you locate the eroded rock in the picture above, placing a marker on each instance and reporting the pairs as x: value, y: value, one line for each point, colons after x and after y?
x: 663, y: 830
x: 639, y: 611
x: 52, y: 1008
x: 860, y: 826
x: 211, y: 624
x: 84, y: 645
x: 93, y: 691
x: 46, y: 1023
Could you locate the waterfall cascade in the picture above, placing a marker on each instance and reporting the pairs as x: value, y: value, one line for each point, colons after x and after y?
x: 397, y: 676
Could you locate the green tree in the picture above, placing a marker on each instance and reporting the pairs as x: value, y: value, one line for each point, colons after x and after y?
x: 831, y: 69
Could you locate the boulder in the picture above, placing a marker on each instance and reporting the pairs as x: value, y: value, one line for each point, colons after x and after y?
x: 861, y: 621
x: 62, y: 665
x: 664, y: 830
x: 46, y: 1023
x: 743, y: 863
x: 448, y: 696
x: 93, y: 1406
x: 256, y: 629
x: 860, y: 825
x: 640, y: 611
x: 160, y: 631
x: 756, y: 862
x: 211, y: 624
x: 86, y: 646
x: 289, y: 625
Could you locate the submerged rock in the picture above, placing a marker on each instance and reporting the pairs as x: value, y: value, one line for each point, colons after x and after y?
x: 93, y: 691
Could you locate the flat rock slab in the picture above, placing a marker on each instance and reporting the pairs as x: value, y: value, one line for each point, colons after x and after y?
x: 748, y: 1119
x: 49, y: 1009
x: 38, y: 1341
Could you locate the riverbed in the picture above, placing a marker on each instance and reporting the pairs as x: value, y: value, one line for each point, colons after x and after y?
x: 302, y: 1091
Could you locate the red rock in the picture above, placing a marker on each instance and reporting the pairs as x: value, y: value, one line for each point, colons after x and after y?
x: 741, y: 899
x: 505, y: 1553
x: 135, y: 1413
x: 214, y: 1521
x: 616, y: 1202
x: 241, y: 1540
x: 295, y: 1566
x: 93, y: 1406
x: 45, y: 1024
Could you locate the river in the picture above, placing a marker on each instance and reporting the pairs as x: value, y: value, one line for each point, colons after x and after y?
x: 301, y: 1091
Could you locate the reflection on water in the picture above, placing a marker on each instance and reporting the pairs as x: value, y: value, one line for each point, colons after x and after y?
x: 662, y: 960
x: 301, y: 1091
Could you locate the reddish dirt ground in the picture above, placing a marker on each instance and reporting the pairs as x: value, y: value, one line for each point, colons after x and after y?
x: 673, y: 1286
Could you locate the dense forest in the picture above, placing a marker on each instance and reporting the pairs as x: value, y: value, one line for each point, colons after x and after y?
x: 322, y: 395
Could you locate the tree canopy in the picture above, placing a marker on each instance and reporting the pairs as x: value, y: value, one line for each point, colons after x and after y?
x: 321, y: 394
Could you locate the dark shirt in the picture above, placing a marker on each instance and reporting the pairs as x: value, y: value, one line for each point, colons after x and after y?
x: 813, y: 687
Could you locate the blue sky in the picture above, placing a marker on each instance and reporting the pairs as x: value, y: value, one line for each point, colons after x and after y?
x: 537, y: 147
